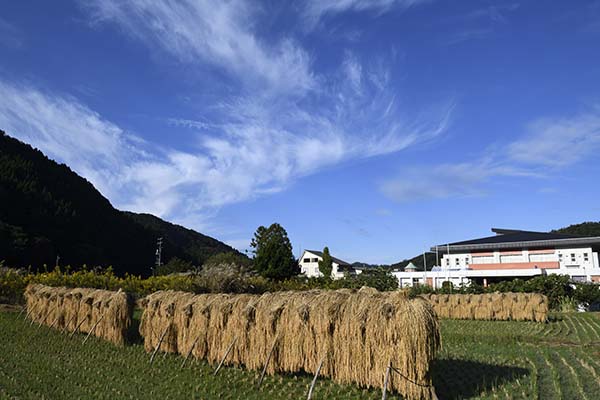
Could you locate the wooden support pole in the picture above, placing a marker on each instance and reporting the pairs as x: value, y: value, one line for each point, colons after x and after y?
x: 67, y: 324
x: 54, y: 322
x: 46, y: 317
x: 32, y: 319
x: 314, y: 381
x: 162, y: 337
x: 30, y: 312
x: 385, y: 381
x: 264, y: 371
x: 77, y: 327
x: 93, y: 328
x: 190, y: 352
x: 225, y: 356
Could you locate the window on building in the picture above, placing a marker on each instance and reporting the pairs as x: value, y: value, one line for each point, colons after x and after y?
x: 315, y: 260
x: 457, y: 260
x: 585, y: 257
x: 306, y: 260
x: 573, y: 257
x: 577, y: 278
x: 447, y: 261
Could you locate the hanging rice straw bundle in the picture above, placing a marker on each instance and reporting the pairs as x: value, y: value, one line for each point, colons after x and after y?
x: 357, y: 333
x: 104, y: 313
x: 491, y: 306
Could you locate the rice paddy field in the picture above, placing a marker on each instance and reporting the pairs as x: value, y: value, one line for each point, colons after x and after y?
x: 479, y: 360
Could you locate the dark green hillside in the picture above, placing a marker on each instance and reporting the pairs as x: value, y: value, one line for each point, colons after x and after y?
x: 417, y: 261
x: 180, y: 241
x: 46, y: 210
x: 583, y: 229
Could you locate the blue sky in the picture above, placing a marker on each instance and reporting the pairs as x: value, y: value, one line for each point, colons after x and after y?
x: 378, y: 128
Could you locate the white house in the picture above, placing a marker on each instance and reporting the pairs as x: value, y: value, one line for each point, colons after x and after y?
x: 309, y: 265
x: 510, y: 254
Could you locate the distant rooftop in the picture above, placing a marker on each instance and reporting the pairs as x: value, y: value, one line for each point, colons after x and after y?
x: 514, y: 238
x: 337, y: 260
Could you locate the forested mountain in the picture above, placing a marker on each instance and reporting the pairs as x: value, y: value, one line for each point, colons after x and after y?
x: 179, y: 241
x: 47, y: 210
x: 418, y: 262
x: 583, y: 229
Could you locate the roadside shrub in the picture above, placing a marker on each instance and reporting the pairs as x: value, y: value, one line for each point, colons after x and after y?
x: 378, y: 278
x: 567, y: 304
x: 228, y: 278
x: 12, y: 285
x: 230, y: 258
x: 587, y: 295
x: 174, y: 266
x: 447, y: 288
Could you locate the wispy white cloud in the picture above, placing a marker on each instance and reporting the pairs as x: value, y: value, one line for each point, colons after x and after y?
x: 253, y: 142
x: 557, y: 142
x: 549, y: 145
x: 466, y: 35
x: 215, y: 32
x: 317, y: 9
x: 10, y: 35
x: 446, y: 180
x: 478, y: 23
x: 495, y: 13
x: 260, y: 152
x: 68, y: 131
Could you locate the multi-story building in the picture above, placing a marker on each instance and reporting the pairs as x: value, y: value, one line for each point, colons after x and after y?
x: 511, y: 254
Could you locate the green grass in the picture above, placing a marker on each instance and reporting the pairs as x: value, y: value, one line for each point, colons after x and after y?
x: 479, y: 359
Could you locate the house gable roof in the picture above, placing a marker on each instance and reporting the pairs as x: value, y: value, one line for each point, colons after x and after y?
x: 336, y: 260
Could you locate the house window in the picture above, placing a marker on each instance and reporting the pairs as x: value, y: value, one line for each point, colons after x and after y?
x: 572, y: 257
x: 467, y: 260
x: 457, y: 261
x: 585, y: 257
x: 315, y: 260
x: 306, y: 260
x: 448, y: 261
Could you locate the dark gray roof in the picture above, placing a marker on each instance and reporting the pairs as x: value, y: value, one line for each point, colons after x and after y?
x: 337, y: 260
x: 517, y: 236
x: 511, y: 238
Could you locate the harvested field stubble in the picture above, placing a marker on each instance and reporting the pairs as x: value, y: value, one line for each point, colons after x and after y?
x: 105, y: 312
x: 358, y: 333
x: 491, y: 306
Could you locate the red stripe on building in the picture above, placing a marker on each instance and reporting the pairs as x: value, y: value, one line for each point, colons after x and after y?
x: 526, y: 265
x: 544, y: 251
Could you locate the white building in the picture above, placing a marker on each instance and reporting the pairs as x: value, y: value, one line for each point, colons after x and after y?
x: 510, y: 254
x: 309, y: 265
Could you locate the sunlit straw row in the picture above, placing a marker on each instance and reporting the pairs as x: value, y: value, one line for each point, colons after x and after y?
x: 357, y: 334
x: 104, y: 313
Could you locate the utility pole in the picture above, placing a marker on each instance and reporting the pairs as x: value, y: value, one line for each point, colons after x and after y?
x: 159, y: 243
x: 57, y: 260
